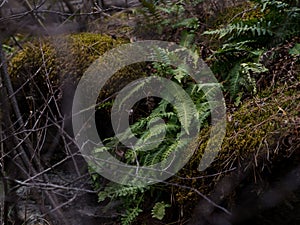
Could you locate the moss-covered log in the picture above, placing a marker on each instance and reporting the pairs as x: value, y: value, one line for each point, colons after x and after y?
x: 261, y: 147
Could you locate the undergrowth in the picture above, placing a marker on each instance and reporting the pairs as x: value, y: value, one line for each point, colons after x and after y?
x: 161, y: 132
x: 237, y: 63
x: 261, y: 26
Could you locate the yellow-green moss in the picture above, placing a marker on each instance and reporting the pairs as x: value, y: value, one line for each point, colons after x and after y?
x: 66, y: 57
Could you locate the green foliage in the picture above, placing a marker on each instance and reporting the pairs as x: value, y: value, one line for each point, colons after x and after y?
x: 8, y: 49
x: 158, y: 210
x: 114, y: 191
x: 232, y: 31
x: 164, y: 120
x: 131, y: 197
x: 248, y: 70
x: 130, y: 215
x: 159, y: 130
x: 241, y: 76
x: 238, y: 64
x: 244, y: 40
x: 276, y: 22
x: 174, y: 15
x: 253, y: 129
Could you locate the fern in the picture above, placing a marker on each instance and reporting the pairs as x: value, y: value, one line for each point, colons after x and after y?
x: 240, y: 29
x: 130, y: 215
x: 150, y: 138
x: 162, y: 55
x: 168, y: 14
x: 235, y: 63
x: 163, y: 130
x: 158, y: 210
x: 178, y: 146
x: 135, y: 88
x: 241, y: 75
x: 183, y: 111
x: 248, y: 70
x: 155, y: 157
x: 114, y: 191
x: 150, y: 7
x: 235, y: 76
x: 190, y: 23
x: 279, y: 21
x: 295, y: 51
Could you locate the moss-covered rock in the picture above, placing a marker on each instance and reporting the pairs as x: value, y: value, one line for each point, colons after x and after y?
x: 61, y: 57
x: 54, y: 65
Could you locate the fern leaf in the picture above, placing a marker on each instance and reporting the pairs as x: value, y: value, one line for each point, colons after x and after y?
x: 295, y: 51
x: 178, y: 146
x: 183, y: 109
x: 151, y: 138
x: 159, y: 211
x: 154, y: 158
x: 162, y: 55
x: 116, y: 190
x: 234, y: 75
x: 130, y: 215
x: 136, y: 87
x: 204, y: 111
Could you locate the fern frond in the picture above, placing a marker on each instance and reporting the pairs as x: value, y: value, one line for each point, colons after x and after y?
x: 229, y: 48
x: 137, y: 86
x: 142, y: 123
x: 150, y: 8
x: 241, y: 28
x: 155, y: 157
x: 158, y: 210
x: 162, y: 55
x: 180, y: 73
x: 130, y: 215
x: 247, y: 70
x: 183, y: 107
x: 235, y: 76
x: 177, y: 146
x: 204, y: 110
x: 117, y: 190
x: 161, y: 108
x: 151, y: 138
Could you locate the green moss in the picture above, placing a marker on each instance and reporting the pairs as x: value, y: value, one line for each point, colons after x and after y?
x: 63, y: 59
